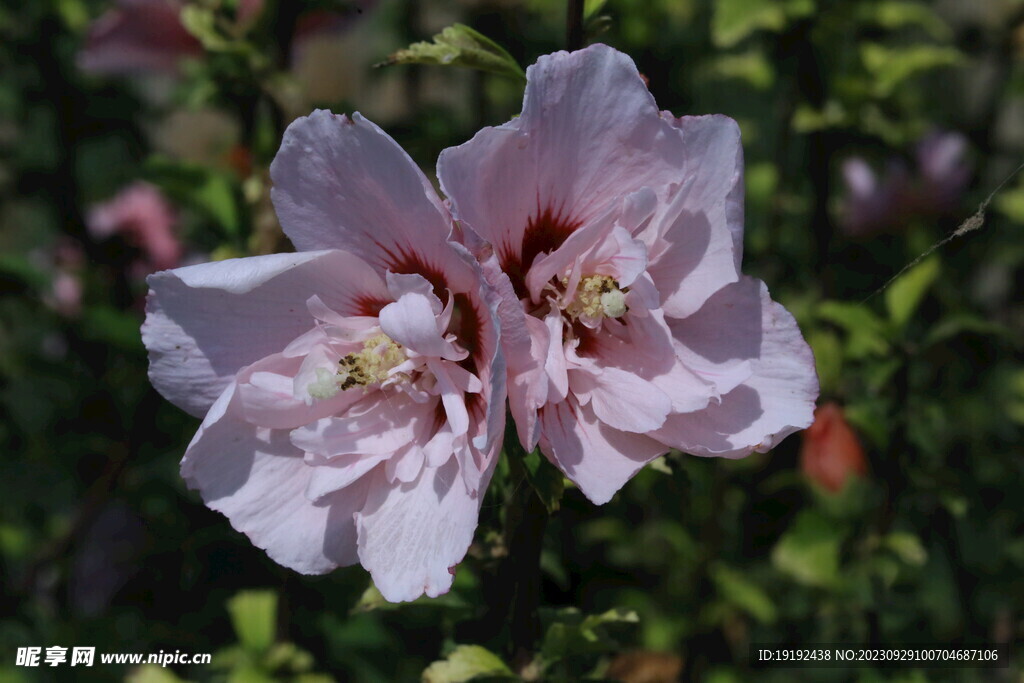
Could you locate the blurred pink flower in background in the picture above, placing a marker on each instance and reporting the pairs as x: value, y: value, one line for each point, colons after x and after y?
x: 352, y: 393
x: 831, y: 452
x: 141, y: 216
x: 615, y: 235
x: 138, y: 36
x: 143, y: 36
x: 933, y: 188
x: 66, y: 261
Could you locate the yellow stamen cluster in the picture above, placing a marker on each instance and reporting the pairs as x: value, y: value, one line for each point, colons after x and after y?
x: 370, y: 366
x: 598, y: 296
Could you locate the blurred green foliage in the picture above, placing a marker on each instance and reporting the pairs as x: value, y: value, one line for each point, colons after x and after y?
x: 102, y: 545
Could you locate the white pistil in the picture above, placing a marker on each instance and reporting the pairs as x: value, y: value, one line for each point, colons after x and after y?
x: 597, y: 296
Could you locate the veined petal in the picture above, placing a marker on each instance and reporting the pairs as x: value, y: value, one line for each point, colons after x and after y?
x: 411, y: 535
x: 589, y: 133
x: 621, y: 400
x: 343, y: 183
x: 206, y: 322
x: 598, y: 458
x: 777, y: 399
x: 412, y: 322
x: 384, y: 424
x: 696, y: 240
x: 257, y: 479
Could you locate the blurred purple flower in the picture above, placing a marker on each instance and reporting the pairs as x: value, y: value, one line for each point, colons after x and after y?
x: 145, y: 220
x: 933, y: 188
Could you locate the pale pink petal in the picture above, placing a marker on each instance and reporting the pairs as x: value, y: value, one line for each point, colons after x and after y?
x: 696, y: 239
x: 257, y: 479
x: 619, y: 256
x: 598, y: 458
x: 206, y: 322
x: 381, y: 424
x: 621, y: 400
x: 405, y: 466
x: 547, y: 266
x: 452, y: 398
x: 777, y: 400
x: 589, y: 133
x: 339, y: 473
x: 266, y: 396
x: 412, y: 322
x: 343, y: 183
x: 412, y: 535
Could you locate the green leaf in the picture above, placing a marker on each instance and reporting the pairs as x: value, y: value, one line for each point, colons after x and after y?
x: 828, y: 358
x: 544, y: 477
x: 571, y: 634
x: 809, y: 550
x: 964, y: 323
x: 898, y: 14
x: 254, y: 616
x: 210, y: 192
x: 807, y: 119
x: 459, y: 45
x: 890, y: 67
x: 734, y: 20
x: 546, y: 480
x: 201, y: 22
x: 907, y: 547
x: 751, y: 67
x: 867, y: 334
x: 151, y: 673
x: 112, y: 326
x: 904, y: 295
x: 466, y: 663
x: 1010, y: 203
x: 743, y: 593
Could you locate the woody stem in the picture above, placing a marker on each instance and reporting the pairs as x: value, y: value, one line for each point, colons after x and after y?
x: 526, y: 518
x: 574, y: 25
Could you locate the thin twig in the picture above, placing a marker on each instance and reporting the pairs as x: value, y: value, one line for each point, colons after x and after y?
x: 974, y: 222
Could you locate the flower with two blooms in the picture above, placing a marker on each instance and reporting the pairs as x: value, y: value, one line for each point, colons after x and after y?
x: 588, y: 256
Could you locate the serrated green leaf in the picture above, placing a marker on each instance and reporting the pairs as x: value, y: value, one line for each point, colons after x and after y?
x: 459, y: 45
x: 809, y: 550
x: 254, y: 616
x: 466, y: 663
x: 904, y: 295
x: 743, y: 593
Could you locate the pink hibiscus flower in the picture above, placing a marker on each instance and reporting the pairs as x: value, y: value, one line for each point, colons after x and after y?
x: 144, y: 36
x: 353, y: 392
x: 143, y: 217
x: 614, y: 233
